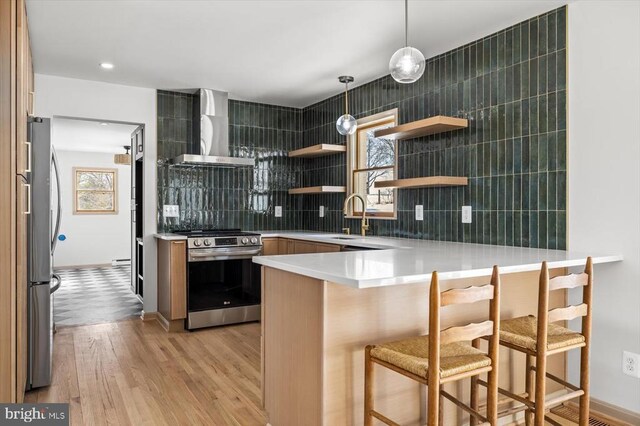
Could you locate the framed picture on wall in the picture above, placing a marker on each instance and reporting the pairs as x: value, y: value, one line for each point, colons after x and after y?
x: 95, y: 191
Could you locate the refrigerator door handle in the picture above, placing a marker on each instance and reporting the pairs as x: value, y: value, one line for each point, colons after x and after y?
x: 28, y: 168
x: 58, y: 282
x: 56, y: 231
x: 28, y: 188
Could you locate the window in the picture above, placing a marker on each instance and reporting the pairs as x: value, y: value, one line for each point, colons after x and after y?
x: 372, y: 160
x: 95, y: 191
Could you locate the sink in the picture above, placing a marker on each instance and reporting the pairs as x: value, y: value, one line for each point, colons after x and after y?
x: 344, y: 238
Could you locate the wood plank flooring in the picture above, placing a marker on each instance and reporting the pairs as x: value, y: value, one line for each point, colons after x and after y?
x: 134, y: 373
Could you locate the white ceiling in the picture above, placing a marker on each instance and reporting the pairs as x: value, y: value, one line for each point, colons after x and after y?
x: 276, y: 52
x: 84, y: 135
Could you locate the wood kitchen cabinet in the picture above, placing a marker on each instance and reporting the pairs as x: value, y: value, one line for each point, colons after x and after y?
x: 172, y: 283
x: 16, y: 98
x: 281, y: 246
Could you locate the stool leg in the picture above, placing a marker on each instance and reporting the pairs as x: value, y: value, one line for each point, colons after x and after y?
x: 474, y: 390
x: 584, y: 385
x: 368, y: 387
x: 440, y: 417
x: 528, y: 414
x: 541, y: 392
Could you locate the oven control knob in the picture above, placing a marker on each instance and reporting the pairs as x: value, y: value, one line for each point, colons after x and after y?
x: 254, y: 240
x: 207, y: 242
x: 197, y: 243
x: 245, y: 240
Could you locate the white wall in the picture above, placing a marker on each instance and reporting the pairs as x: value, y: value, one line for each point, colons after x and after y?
x: 59, y: 96
x: 93, y: 239
x: 604, y: 181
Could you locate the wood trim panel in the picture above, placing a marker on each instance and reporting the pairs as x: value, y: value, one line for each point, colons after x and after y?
x: 178, y: 280
x: 293, y: 348
x: 172, y: 279
x: 7, y: 202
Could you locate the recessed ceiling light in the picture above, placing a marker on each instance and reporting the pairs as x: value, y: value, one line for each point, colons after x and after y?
x: 106, y: 65
x: 104, y: 124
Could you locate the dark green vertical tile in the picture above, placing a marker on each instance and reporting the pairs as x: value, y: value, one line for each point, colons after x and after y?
x: 543, y: 188
x: 562, y: 110
x: 533, y: 38
x: 561, y: 233
x: 542, y: 35
x: 543, y: 153
x: 561, y: 185
x: 561, y: 25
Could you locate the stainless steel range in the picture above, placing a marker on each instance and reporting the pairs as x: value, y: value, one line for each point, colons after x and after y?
x: 223, y: 284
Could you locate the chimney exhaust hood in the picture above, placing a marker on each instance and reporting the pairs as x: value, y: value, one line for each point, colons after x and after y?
x: 210, y: 141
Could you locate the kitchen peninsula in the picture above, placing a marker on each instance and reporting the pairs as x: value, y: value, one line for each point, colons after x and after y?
x: 320, y: 310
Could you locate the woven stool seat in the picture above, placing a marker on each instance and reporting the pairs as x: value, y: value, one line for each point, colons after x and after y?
x: 412, y: 355
x: 523, y: 332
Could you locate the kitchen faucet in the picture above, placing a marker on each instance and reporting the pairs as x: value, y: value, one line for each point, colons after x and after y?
x: 365, y: 221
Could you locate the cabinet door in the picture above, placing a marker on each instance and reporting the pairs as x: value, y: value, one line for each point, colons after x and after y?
x: 302, y: 247
x: 270, y: 246
x: 285, y: 246
x: 23, y: 210
x: 23, y: 93
x: 327, y: 248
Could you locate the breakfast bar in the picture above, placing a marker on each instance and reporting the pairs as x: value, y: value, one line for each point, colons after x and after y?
x: 320, y: 310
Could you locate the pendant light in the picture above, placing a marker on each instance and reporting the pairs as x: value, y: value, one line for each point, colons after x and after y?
x: 346, y: 124
x: 407, y: 64
x: 123, y: 159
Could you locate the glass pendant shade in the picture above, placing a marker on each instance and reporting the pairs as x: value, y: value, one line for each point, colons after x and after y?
x: 346, y: 125
x: 407, y: 65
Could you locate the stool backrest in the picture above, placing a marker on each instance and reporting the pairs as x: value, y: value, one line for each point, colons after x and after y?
x: 469, y: 332
x: 564, y: 282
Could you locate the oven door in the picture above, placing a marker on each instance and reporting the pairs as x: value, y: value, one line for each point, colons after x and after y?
x: 222, y: 278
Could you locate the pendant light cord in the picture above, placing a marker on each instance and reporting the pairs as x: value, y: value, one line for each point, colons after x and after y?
x: 406, y: 23
x: 346, y: 98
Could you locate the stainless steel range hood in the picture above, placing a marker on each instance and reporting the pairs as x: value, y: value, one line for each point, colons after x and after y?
x: 210, y: 141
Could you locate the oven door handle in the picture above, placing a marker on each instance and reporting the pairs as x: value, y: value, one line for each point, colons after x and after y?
x: 201, y: 255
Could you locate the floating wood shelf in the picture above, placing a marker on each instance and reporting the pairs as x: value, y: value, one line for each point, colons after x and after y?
x: 318, y: 189
x: 423, y: 182
x: 425, y: 127
x: 319, y: 150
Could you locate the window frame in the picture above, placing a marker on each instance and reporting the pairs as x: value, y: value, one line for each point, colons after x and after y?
x: 352, y: 164
x: 76, y: 190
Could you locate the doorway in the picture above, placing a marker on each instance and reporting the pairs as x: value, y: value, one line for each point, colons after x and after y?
x: 94, y: 255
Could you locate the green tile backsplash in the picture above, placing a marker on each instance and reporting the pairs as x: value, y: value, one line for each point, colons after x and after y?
x: 230, y: 198
x: 511, y: 85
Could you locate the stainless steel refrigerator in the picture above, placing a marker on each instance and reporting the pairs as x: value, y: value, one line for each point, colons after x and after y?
x: 42, y: 232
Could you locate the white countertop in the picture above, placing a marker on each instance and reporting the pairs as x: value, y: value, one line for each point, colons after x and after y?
x: 405, y: 261
x: 170, y: 237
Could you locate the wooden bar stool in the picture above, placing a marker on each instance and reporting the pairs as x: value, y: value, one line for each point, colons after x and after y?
x: 538, y: 337
x: 441, y: 357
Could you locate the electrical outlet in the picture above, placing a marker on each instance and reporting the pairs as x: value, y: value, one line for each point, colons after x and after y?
x: 419, y: 212
x: 321, y: 211
x: 466, y: 214
x: 631, y: 364
x: 171, y: 210
x: 278, y: 211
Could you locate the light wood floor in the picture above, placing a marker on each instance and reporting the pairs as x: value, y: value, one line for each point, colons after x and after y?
x: 133, y: 372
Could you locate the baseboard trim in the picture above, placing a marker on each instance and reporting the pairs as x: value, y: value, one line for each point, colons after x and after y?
x: 604, y: 409
x: 149, y: 316
x: 170, y: 326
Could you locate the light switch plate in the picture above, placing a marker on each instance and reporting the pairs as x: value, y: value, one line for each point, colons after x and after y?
x: 171, y: 210
x: 278, y: 211
x: 419, y: 212
x: 321, y: 211
x: 466, y: 214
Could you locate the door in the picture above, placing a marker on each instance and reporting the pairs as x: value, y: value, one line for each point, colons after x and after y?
x: 137, y: 192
